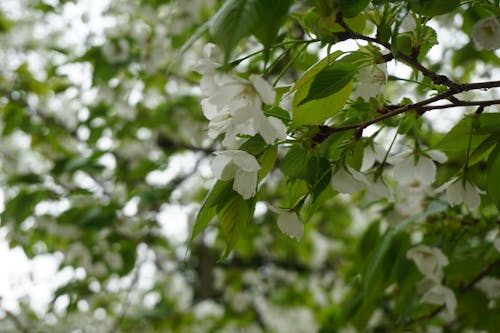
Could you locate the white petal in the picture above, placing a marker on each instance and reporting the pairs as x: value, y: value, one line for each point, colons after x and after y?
x: 370, y: 81
x: 290, y: 224
x: 437, y: 156
x: 245, y: 183
x: 445, y: 185
x: 486, y: 33
x: 426, y: 170
x: 472, y: 199
x: 439, y: 295
x: 270, y: 128
x: 222, y: 166
x: 490, y: 286
x: 264, y: 89
x: 496, y: 243
x: 344, y: 182
x: 244, y: 160
x: 404, y: 172
x: 429, y: 260
x: 455, y: 193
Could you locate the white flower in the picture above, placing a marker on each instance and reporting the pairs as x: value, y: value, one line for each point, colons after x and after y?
x: 290, y: 224
x: 372, y: 153
x: 116, y: 52
x: 370, y: 81
x: 239, y: 165
x: 486, y: 33
x: 458, y: 193
x: 408, y: 171
x: 347, y: 180
x: 490, y: 286
x: 429, y: 260
x: 496, y: 243
x: 439, y: 295
x: 234, y: 105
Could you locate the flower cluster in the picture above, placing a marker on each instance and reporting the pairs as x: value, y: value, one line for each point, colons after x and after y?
x: 430, y: 262
x: 233, y: 107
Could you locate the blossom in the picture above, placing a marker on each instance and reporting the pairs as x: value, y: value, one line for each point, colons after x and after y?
x: 347, y: 180
x: 486, y: 33
x: 496, y: 243
x: 116, y: 52
x: 290, y: 224
x: 370, y: 80
x: 240, y: 166
x: 458, y: 193
x: 408, y: 171
x: 490, y: 286
x: 429, y: 260
x: 234, y: 106
x: 439, y: 295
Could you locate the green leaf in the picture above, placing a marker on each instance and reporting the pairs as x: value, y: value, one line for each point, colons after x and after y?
x: 494, y: 175
x: 233, y: 219
x: 271, y: 15
x: 233, y: 21
x: 330, y: 80
x: 351, y: 8
x: 318, y: 110
x: 292, y: 165
x: 433, y: 7
x: 318, y: 174
x: 267, y: 161
x: 381, y: 250
x: 483, y: 149
x: 220, y: 194
x: 455, y: 142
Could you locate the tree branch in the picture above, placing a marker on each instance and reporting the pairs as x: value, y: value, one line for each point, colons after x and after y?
x: 422, y: 106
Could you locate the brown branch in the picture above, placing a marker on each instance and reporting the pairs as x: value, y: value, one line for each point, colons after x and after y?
x: 421, y: 106
x: 411, y: 61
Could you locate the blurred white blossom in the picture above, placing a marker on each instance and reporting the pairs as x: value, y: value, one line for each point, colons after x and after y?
x: 411, y: 170
x: 490, y: 286
x: 458, y: 193
x: 370, y: 81
x: 116, y: 51
x: 429, y: 260
x: 439, y: 295
x: 348, y: 180
x: 486, y: 33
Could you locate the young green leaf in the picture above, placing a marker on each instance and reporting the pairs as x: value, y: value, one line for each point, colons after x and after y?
x: 331, y: 80
x: 220, y: 194
x: 233, y: 219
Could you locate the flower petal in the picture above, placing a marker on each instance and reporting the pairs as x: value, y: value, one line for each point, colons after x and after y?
x: 245, y: 183
x: 290, y: 224
x: 222, y: 166
x: 263, y: 88
x: 472, y: 199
